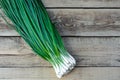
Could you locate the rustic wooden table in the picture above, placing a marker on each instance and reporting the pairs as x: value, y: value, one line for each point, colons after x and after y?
x: 91, y: 33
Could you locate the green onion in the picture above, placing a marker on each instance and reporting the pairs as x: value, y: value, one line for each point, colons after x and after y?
x: 31, y: 20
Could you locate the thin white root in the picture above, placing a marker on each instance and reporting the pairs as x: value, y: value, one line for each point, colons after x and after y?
x: 66, y: 66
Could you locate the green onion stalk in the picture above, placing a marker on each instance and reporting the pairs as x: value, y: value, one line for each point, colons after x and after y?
x: 31, y: 20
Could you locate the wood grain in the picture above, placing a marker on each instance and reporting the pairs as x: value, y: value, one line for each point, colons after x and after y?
x: 91, y: 33
x: 81, y: 3
x: 79, y: 22
x: 88, y: 51
x: 48, y: 73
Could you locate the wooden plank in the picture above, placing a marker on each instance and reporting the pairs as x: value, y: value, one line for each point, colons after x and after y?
x: 12, y: 45
x: 88, y: 51
x: 79, y: 22
x: 81, y: 3
x: 109, y: 73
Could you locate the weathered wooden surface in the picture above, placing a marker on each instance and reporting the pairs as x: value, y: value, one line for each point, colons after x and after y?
x: 44, y: 73
x: 81, y: 3
x: 79, y: 22
x: 90, y: 51
x: 91, y: 33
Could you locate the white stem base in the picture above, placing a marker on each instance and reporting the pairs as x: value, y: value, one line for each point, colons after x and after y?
x: 66, y: 66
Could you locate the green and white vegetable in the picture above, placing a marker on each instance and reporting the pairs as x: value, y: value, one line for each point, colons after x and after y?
x: 30, y: 19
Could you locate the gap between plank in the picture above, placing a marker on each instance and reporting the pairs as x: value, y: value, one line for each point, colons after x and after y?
x: 82, y: 7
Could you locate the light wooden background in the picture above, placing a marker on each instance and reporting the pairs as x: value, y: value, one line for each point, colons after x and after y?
x: 91, y: 33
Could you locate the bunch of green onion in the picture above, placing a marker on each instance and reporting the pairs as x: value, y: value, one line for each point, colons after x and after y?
x: 30, y: 19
